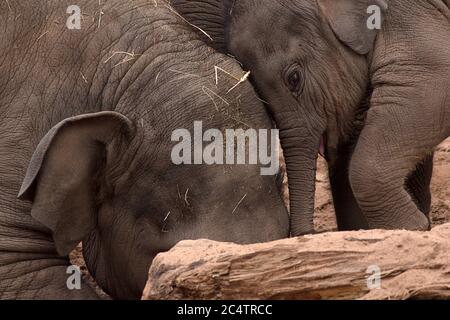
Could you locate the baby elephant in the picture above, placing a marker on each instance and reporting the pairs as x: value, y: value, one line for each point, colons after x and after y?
x: 86, y: 127
x: 325, y: 67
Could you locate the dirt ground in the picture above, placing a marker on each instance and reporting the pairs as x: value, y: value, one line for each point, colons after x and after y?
x: 324, y: 213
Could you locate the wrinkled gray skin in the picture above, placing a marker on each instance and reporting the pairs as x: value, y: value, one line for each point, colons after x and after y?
x: 98, y: 132
x: 379, y: 101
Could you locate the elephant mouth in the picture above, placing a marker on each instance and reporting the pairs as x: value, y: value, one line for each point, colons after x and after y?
x: 323, y: 146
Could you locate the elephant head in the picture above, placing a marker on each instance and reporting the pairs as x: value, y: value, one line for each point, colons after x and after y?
x: 308, y: 60
x: 108, y: 179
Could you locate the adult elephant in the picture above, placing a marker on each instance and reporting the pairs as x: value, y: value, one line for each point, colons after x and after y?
x: 375, y: 102
x: 87, y: 117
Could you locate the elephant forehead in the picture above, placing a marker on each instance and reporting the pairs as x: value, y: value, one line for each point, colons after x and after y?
x: 273, y: 27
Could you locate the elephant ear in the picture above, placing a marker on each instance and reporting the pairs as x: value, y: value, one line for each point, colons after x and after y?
x: 60, y: 180
x: 348, y: 20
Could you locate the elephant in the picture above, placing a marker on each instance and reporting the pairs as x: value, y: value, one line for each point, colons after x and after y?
x: 374, y: 100
x: 85, y: 146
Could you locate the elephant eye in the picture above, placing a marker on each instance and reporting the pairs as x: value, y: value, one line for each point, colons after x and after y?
x: 294, y: 79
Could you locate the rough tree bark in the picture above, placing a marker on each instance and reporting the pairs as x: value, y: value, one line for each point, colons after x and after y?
x: 323, y: 266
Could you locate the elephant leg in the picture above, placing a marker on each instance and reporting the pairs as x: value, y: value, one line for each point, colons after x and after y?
x: 418, y: 185
x: 408, y: 117
x: 348, y: 213
x: 391, y: 150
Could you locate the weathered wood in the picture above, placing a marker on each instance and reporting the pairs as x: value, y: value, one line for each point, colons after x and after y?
x: 323, y: 266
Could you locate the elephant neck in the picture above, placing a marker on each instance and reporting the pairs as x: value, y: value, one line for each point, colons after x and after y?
x: 19, y: 232
x: 24, y: 246
x: 39, y: 279
x: 30, y: 268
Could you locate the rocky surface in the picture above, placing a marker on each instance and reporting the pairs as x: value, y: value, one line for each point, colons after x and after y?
x: 374, y: 264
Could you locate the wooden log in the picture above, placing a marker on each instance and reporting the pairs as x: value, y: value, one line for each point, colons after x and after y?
x: 375, y: 264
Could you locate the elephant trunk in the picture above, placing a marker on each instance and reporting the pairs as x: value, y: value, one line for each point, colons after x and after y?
x: 300, y: 152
